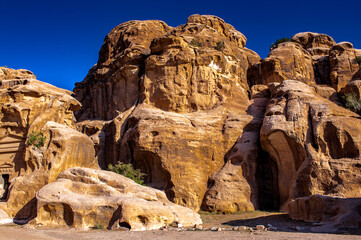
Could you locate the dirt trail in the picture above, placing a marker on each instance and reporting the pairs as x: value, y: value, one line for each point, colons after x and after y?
x: 285, y: 230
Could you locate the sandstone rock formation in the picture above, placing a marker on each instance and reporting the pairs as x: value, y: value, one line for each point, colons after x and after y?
x: 237, y: 186
x: 315, y: 143
x: 318, y: 45
x: 64, y: 148
x: 343, y: 65
x: 315, y: 43
x: 186, y: 105
x: 310, y: 58
x: 332, y: 213
x: 9, y: 73
x: 78, y: 199
x: 287, y: 60
x: 29, y: 106
x: 211, y: 125
x: 175, y: 100
x: 353, y: 87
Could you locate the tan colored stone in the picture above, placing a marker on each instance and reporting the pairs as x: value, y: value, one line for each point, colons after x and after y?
x: 315, y: 43
x: 235, y: 187
x: 29, y: 106
x: 286, y: 61
x: 9, y: 73
x: 84, y: 198
x: 64, y: 148
x: 26, y: 105
x: 179, y: 152
x: 353, y: 87
x: 332, y: 213
x: 343, y: 65
x: 121, y: 62
x: 314, y: 142
x: 186, y: 113
x: 328, y: 93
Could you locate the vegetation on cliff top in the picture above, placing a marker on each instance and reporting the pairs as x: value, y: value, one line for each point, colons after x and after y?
x: 281, y: 40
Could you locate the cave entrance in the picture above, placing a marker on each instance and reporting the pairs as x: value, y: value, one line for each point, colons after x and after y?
x: 269, y: 199
x: 4, y: 186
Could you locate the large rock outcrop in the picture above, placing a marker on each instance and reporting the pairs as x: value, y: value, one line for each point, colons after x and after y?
x: 344, y: 67
x: 331, y: 213
x: 77, y: 199
x: 315, y: 143
x: 173, y: 102
x: 287, y: 60
x: 318, y: 45
x: 64, y: 148
x: 238, y: 185
x: 30, y: 107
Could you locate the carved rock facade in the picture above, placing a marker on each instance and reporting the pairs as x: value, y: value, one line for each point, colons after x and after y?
x: 30, y: 107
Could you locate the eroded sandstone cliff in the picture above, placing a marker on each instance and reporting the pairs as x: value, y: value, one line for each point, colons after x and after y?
x: 29, y: 106
x: 207, y: 120
x: 187, y: 106
x: 174, y: 102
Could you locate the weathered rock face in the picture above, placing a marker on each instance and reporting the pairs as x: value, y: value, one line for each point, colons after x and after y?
x: 112, y: 86
x: 314, y: 43
x: 29, y: 107
x: 186, y: 107
x: 77, y: 199
x: 9, y: 73
x: 343, y: 65
x: 318, y: 45
x: 315, y: 143
x: 175, y: 69
x: 287, y: 60
x: 26, y: 105
x: 331, y: 212
x: 353, y: 87
x: 64, y: 148
x: 237, y: 185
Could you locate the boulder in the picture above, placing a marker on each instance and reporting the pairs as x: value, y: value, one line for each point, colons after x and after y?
x: 179, y: 109
x: 314, y: 142
x: 331, y: 213
x: 89, y: 198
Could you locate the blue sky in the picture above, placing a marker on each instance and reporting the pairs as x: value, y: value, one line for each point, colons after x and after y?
x: 59, y: 40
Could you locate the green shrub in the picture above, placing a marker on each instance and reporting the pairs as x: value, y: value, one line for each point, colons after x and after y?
x: 358, y: 60
x: 282, y: 40
x: 98, y: 226
x: 195, y: 43
x: 351, y: 102
x: 220, y: 46
x: 36, y: 139
x: 128, y: 171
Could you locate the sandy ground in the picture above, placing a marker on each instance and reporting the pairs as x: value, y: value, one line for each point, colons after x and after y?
x: 285, y: 230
